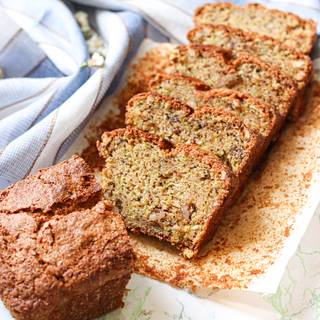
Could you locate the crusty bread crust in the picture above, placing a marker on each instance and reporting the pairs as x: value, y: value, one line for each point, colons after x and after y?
x: 302, y: 69
x: 59, y: 262
x: 43, y: 192
x: 133, y: 135
x: 309, y: 26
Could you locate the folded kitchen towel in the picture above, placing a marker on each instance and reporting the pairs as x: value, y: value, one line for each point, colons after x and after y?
x: 49, y: 91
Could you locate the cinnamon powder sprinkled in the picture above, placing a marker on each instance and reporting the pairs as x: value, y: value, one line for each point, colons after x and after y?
x: 253, y: 232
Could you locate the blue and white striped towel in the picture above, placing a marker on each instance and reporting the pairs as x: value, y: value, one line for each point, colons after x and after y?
x: 46, y: 97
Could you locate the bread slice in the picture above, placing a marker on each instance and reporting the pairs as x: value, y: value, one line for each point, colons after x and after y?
x: 215, y: 132
x: 174, y: 194
x: 256, y: 115
x: 288, y: 28
x: 217, y: 69
x: 290, y: 62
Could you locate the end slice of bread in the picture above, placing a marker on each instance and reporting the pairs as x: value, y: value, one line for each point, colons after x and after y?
x: 217, y: 69
x: 288, y: 28
x: 216, y: 132
x: 289, y: 61
x: 177, y: 194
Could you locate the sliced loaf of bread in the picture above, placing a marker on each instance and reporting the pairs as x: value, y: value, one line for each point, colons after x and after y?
x: 176, y: 194
x: 288, y: 28
x: 256, y: 115
x: 217, y: 69
x: 289, y: 61
x: 216, y: 132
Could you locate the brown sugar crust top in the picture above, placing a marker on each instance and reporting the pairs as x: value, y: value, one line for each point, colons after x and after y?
x: 65, y: 252
x: 250, y: 37
x: 58, y: 189
x: 307, y: 25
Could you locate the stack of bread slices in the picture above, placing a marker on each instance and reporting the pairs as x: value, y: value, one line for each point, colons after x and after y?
x: 193, y: 139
